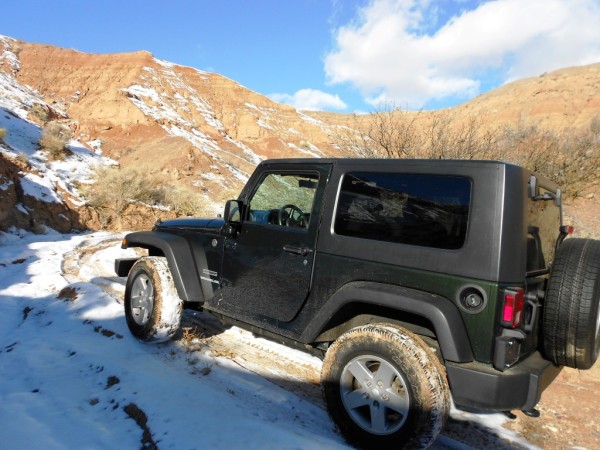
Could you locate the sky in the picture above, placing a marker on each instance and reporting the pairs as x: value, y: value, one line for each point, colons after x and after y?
x: 334, y: 55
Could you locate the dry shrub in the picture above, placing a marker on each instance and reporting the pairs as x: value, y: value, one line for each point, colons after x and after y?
x: 390, y: 132
x: 184, y: 201
x: 39, y: 113
x: 23, y: 160
x: 55, y: 137
x: 571, y: 158
x: 115, y: 189
x: 2, y: 134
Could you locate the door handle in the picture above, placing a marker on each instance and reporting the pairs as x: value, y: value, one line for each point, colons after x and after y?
x: 302, y: 251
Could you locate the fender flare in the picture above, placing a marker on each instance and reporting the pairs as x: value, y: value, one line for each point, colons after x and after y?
x: 179, y: 257
x: 445, y: 317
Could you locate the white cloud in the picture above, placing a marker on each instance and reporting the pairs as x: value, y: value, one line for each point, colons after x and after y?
x: 311, y: 99
x: 395, y: 49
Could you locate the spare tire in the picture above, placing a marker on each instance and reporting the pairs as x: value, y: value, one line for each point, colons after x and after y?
x: 571, y: 317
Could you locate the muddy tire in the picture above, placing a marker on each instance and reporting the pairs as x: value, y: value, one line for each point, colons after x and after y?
x: 152, y: 306
x: 571, y: 319
x: 384, y: 387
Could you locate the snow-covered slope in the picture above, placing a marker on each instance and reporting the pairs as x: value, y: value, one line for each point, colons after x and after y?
x: 33, y: 188
x: 203, y: 129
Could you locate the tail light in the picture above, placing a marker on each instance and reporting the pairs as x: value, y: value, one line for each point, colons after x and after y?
x: 564, y: 230
x: 514, y: 304
x: 567, y: 229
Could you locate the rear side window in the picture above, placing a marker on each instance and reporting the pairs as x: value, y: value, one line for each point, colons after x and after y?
x: 414, y: 209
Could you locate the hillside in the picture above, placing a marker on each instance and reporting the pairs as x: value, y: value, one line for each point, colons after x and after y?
x: 193, y: 124
x: 197, y: 128
x: 564, y: 98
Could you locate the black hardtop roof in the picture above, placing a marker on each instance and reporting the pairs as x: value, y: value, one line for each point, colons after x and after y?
x: 512, y: 170
x: 377, y: 162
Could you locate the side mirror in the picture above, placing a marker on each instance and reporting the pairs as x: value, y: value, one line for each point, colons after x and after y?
x: 233, y: 216
x: 533, y: 187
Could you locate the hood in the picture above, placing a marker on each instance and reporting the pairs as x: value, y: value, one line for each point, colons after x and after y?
x: 190, y: 223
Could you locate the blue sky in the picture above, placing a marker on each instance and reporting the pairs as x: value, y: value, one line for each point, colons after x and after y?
x: 336, y: 55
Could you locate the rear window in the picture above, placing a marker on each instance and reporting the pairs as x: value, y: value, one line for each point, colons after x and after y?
x: 414, y: 209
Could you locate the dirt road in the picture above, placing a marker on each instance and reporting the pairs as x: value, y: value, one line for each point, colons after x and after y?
x: 569, y: 408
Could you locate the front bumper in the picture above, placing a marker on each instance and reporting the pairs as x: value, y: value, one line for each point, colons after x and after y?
x: 480, y: 386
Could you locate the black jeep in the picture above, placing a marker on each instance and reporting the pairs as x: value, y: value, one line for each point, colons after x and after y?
x: 414, y: 279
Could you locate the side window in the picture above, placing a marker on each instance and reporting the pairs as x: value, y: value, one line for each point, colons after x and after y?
x: 284, y: 199
x: 414, y: 209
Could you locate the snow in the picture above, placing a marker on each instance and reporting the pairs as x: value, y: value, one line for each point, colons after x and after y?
x: 70, y: 368
x: 309, y: 119
x: 39, y: 187
x: 21, y: 208
x: 8, y: 55
x: 95, y: 145
x: 21, y: 134
x: 58, y: 357
x: 170, y: 65
x: 4, y: 186
x: 314, y: 152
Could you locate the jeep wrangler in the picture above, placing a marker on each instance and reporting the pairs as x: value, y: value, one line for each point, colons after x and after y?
x: 415, y: 280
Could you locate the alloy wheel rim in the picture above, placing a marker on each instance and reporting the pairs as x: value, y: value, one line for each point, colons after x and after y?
x: 375, y: 394
x: 142, y: 299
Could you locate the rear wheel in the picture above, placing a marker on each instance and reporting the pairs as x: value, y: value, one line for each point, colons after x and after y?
x: 152, y: 306
x: 384, y: 387
x: 571, y: 319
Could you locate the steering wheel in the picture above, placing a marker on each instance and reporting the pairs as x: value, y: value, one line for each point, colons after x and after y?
x: 293, y: 218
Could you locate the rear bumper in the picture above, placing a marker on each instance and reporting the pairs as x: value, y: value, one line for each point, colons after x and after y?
x: 475, y: 385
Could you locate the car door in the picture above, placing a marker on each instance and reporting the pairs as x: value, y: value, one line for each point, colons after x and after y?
x: 267, y: 264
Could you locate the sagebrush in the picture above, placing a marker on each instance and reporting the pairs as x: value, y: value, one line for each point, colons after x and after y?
x: 115, y: 189
x: 54, y: 140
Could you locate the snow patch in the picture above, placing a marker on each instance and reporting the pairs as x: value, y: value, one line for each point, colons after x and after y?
x: 95, y: 145
x: 22, y: 209
x: 8, y: 55
x: 6, y: 185
x: 311, y: 151
x: 40, y: 188
x: 310, y: 119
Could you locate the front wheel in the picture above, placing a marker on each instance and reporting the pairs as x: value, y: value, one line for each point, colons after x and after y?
x: 152, y: 306
x: 384, y: 387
